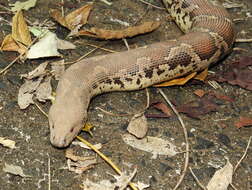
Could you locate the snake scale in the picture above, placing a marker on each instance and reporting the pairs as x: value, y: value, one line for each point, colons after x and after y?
x: 209, y: 36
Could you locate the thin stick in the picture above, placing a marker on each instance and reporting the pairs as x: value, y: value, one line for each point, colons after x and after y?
x: 49, y: 173
x: 3, y: 7
x: 197, y: 180
x: 126, y: 43
x: 240, y: 49
x: 113, y: 114
x: 100, y: 47
x: 232, y: 185
x: 147, y: 3
x: 82, y: 57
x: 241, y: 40
x: 244, y: 154
x: 62, y: 8
x: 105, y: 158
x: 40, y: 109
x: 185, y: 135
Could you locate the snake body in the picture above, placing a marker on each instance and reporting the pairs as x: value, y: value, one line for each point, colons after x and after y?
x: 209, y: 36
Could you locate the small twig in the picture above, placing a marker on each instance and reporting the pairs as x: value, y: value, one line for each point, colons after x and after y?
x: 232, y: 185
x: 241, y: 40
x: 5, y: 8
x: 126, y: 43
x: 147, y: 3
x: 40, y: 109
x: 244, y: 154
x: 113, y: 114
x: 109, y: 161
x: 240, y: 49
x: 185, y: 136
x: 82, y: 57
x: 49, y: 173
x: 147, y: 99
x: 62, y: 8
x: 197, y: 180
x: 100, y: 47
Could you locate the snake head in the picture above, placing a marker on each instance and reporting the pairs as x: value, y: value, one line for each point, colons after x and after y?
x: 65, y: 122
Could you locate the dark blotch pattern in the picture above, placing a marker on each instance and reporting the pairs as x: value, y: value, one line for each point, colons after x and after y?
x: 138, y: 81
x: 160, y: 71
x: 148, y: 73
x: 118, y: 81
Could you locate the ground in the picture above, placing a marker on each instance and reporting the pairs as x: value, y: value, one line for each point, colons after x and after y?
x: 212, y: 139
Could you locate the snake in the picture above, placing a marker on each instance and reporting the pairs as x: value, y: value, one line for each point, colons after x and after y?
x: 208, y: 37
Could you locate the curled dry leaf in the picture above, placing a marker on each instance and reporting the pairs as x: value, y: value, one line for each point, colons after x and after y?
x: 20, y: 31
x: 138, y: 126
x: 243, y: 122
x: 79, y: 164
x: 222, y: 178
x: 7, y: 143
x: 9, y: 44
x: 119, y: 34
x: 73, y: 20
x: 154, y: 145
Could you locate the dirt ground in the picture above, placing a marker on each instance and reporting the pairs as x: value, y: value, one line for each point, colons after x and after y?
x: 212, y: 139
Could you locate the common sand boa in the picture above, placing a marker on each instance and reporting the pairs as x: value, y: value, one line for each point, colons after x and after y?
x: 209, y: 36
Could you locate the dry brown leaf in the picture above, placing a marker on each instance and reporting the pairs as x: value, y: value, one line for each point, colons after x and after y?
x: 163, y: 107
x: 243, y: 122
x: 77, y: 18
x: 237, y: 73
x: 9, y: 44
x: 119, y: 34
x: 20, y: 31
x: 202, y: 75
x: 177, y: 81
x: 199, y: 92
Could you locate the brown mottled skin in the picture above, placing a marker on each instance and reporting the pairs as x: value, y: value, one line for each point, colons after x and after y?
x: 209, y: 36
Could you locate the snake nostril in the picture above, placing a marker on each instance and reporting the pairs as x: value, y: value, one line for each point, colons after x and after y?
x: 72, y: 129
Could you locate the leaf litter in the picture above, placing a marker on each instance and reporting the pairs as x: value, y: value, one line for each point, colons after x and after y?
x: 79, y: 164
x: 154, y: 145
x: 37, y: 86
x: 14, y: 170
x: 238, y: 73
